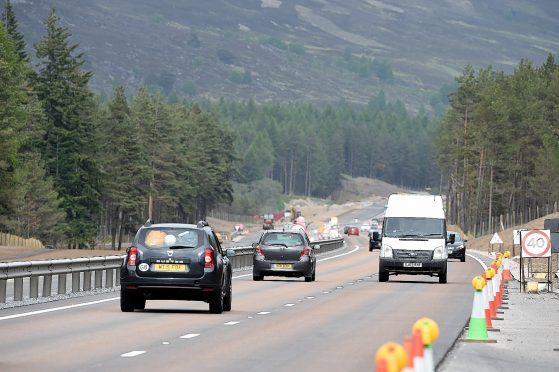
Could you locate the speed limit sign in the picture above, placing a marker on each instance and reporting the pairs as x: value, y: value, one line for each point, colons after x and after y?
x: 536, y: 243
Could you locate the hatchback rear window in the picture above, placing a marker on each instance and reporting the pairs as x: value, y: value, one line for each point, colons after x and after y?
x: 290, y: 240
x: 169, y: 237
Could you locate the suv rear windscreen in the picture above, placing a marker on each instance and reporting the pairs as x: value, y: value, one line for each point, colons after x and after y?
x: 163, y: 238
x: 287, y: 239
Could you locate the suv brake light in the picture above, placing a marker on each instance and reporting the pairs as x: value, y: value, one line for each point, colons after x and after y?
x: 208, y: 259
x: 132, y: 256
x: 306, y: 251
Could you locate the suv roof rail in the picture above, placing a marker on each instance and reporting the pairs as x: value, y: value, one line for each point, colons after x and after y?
x: 148, y: 223
x: 202, y: 224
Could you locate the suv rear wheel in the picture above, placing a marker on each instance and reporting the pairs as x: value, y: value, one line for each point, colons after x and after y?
x: 216, y: 302
x: 126, y: 302
x: 228, y: 299
x: 257, y: 278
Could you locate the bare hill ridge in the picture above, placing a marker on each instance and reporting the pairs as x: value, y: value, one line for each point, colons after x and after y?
x: 297, y: 50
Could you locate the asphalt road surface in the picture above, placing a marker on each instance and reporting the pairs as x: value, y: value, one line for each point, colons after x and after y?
x: 281, y: 324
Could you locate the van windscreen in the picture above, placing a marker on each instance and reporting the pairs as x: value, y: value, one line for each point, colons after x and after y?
x: 409, y: 227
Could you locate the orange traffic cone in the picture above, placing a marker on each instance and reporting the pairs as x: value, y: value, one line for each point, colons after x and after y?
x: 408, y: 347
x: 487, y: 309
x: 417, y: 352
x: 491, y: 295
x: 506, y: 269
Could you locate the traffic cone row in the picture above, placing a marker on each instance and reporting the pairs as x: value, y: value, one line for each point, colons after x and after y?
x: 417, y: 353
x: 488, y: 298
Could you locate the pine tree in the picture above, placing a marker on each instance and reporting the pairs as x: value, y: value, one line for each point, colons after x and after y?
x: 69, y: 135
x: 123, y: 164
x: 10, y: 22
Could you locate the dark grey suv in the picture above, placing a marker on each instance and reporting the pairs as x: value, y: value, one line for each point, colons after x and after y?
x: 284, y: 253
x: 171, y: 261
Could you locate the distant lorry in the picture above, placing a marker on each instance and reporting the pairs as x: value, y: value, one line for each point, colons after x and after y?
x: 268, y: 221
x: 413, y: 238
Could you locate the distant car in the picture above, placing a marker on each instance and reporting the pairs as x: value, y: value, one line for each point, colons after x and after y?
x: 352, y: 230
x: 374, y: 223
x: 284, y: 253
x: 172, y: 261
x: 458, y: 248
x: 374, y: 244
x: 346, y: 228
x: 365, y: 227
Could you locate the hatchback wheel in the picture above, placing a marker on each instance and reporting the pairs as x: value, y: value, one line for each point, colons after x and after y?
x: 257, y: 278
x: 126, y: 302
x: 308, y: 278
x: 216, y: 302
x: 463, y: 258
x: 314, y: 275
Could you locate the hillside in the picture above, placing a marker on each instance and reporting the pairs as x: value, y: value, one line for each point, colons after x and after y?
x: 310, y: 50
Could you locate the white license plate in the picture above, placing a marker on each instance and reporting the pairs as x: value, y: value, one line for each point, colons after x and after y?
x: 413, y: 264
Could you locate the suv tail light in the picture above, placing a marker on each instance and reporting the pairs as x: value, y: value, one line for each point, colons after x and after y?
x: 208, y: 259
x: 132, y: 256
x: 306, y: 251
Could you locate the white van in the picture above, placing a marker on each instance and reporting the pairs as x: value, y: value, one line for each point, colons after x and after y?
x: 413, y: 237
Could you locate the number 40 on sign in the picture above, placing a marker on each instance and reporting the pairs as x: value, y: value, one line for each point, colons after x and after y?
x: 536, y: 243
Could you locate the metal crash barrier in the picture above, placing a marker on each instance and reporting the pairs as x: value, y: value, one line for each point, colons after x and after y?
x: 89, y: 273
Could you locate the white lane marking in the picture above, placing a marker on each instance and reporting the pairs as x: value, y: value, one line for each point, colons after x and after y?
x: 190, y: 335
x: 478, y: 260
x: 309, y: 297
x: 133, y: 353
x: 165, y: 343
x: 263, y: 313
x: 326, y: 292
x: 117, y: 298
x: 289, y: 305
x: 340, y: 255
x: 56, y: 309
x: 231, y: 323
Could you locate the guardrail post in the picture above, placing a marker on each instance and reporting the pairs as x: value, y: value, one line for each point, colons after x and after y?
x: 3, y: 286
x: 18, y: 289
x: 109, y: 282
x: 47, y: 286
x: 87, y: 280
x: 61, y: 284
x: 34, y: 287
x: 98, y: 279
x: 76, y: 276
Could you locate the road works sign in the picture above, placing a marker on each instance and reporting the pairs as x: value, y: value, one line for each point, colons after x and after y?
x: 496, y: 239
x: 536, y: 243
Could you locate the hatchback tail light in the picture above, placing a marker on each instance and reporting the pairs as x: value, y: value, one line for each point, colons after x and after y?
x: 258, y: 251
x: 306, y: 251
x: 209, y: 259
x: 132, y: 256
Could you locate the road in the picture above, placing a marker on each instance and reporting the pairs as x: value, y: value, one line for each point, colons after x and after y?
x: 335, y: 324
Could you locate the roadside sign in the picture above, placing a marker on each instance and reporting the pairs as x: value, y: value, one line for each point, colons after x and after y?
x: 496, y: 239
x: 536, y: 243
x: 516, y: 236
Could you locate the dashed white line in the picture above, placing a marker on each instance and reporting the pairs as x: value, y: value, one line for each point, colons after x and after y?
x: 190, y: 335
x: 263, y: 313
x: 165, y: 343
x: 133, y: 353
x: 289, y: 305
x: 325, y: 292
x: 231, y: 323
x: 56, y: 309
x: 309, y: 297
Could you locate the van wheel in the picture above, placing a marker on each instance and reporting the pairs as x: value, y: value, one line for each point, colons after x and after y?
x: 442, y: 277
x: 382, y: 276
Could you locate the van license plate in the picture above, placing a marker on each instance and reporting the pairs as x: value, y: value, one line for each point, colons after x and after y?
x: 413, y: 264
